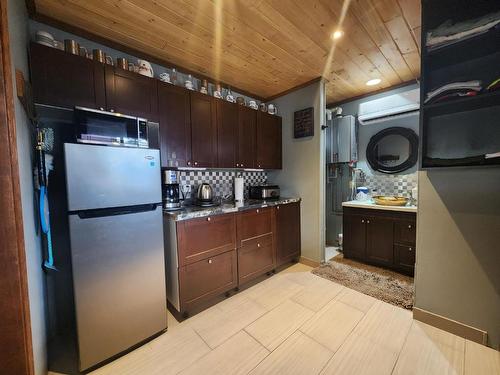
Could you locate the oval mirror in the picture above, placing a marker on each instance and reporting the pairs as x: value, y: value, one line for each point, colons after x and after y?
x: 393, y: 150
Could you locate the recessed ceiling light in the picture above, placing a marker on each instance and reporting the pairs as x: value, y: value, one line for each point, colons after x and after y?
x: 337, y: 34
x: 373, y: 82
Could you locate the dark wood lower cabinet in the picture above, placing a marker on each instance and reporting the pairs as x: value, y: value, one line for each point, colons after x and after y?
x: 209, y: 256
x: 287, y: 233
x: 207, y: 278
x: 379, y: 240
x: 255, y: 258
x: 382, y: 238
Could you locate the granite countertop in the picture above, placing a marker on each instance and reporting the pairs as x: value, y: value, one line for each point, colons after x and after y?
x: 192, y: 212
x: 369, y: 204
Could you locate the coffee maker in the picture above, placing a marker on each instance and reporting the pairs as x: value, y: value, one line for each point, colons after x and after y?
x: 170, y: 190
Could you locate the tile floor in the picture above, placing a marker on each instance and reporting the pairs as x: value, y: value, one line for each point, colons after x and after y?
x: 298, y: 323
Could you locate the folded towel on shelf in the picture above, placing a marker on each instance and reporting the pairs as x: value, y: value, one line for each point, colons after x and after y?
x: 458, y: 88
x: 448, y: 33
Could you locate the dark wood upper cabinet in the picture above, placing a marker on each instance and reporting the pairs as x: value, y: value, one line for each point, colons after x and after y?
x: 131, y: 93
x: 247, y: 133
x: 65, y: 80
x: 268, y: 141
x: 203, y: 131
x: 175, y: 125
x: 287, y: 232
x: 227, y: 126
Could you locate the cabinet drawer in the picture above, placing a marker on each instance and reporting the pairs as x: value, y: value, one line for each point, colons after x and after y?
x: 404, y: 257
x: 207, y: 278
x: 405, y: 232
x: 254, y: 223
x: 255, y: 257
x: 204, y: 237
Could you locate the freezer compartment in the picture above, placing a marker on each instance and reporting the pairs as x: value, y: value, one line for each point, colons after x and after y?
x: 119, y: 281
x: 105, y: 176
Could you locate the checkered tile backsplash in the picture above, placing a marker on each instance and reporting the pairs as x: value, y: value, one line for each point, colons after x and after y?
x: 221, y: 181
x: 388, y: 184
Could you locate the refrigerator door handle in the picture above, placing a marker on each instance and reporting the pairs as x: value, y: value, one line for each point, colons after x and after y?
x: 114, y: 211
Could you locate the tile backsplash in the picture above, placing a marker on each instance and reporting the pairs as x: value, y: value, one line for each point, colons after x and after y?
x: 389, y: 184
x: 221, y: 181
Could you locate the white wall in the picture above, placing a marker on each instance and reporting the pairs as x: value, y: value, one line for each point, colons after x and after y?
x: 18, y: 32
x: 365, y: 132
x: 458, y: 247
x: 303, y: 172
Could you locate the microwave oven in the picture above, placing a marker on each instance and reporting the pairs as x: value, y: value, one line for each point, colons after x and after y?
x: 115, y: 129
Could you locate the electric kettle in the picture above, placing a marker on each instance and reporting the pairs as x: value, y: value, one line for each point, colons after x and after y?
x: 205, y: 193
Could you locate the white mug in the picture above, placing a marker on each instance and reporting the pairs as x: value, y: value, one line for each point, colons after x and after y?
x: 271, y: 109
x: 253, y: 104
x: 165, y: 77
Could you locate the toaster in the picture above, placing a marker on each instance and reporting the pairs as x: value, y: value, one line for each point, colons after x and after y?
x: 264, y: 192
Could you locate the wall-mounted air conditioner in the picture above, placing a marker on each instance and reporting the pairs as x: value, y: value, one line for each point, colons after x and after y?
x: 390, y: 107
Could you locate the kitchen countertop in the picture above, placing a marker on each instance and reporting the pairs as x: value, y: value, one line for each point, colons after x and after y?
x: 192, y: 212
x: 369, y: 204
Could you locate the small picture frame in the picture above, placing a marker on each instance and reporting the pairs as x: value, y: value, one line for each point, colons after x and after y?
x: 303, y: 123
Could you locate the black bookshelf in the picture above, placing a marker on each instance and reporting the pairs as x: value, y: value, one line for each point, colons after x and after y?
x: 459, y: 132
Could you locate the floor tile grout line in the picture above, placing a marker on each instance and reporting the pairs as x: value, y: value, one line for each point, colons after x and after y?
x: 347, y: 337
x: 464, y: 361
x: 402, y: 347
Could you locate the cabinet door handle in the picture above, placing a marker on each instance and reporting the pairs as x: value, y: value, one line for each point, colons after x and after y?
x: 195, y: 163
x: 259, y: 166
x: 112, y: 110
x: 210, y: 261
x: 277, y: 207
x: 410, y: 249
x: 101, y: 108
x: 362, y: 220
x: 367, y: 221
x: 188, y: 163
x: 208, y: 219
x: 409, y: 226
x: 242, y: 165
x: 258, y: 245
x: 237, y: 165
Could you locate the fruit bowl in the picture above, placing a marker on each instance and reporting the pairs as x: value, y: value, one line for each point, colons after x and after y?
x: 384, y: 200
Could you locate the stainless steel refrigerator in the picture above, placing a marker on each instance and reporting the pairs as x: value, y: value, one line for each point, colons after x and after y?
x: 116, y: 245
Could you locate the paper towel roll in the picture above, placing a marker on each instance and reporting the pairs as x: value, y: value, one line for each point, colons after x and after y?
x: 238, y: 189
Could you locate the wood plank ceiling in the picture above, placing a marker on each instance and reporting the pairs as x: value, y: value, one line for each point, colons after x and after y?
x: 264, y: 47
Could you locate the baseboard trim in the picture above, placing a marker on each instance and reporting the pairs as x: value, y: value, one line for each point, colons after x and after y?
x: 450, y: 325
x: 309, y: 262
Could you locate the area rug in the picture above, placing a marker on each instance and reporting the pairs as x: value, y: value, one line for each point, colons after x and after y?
x: 385, y: 285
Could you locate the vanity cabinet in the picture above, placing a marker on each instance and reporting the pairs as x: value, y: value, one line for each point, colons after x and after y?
x: 379, y: 237
x: 287, y: 233
x: 131, y: 93
x: 64, y: 80
x: 174, y: 110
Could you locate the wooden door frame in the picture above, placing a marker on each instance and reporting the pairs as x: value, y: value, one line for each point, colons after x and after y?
x: 16, y: 356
